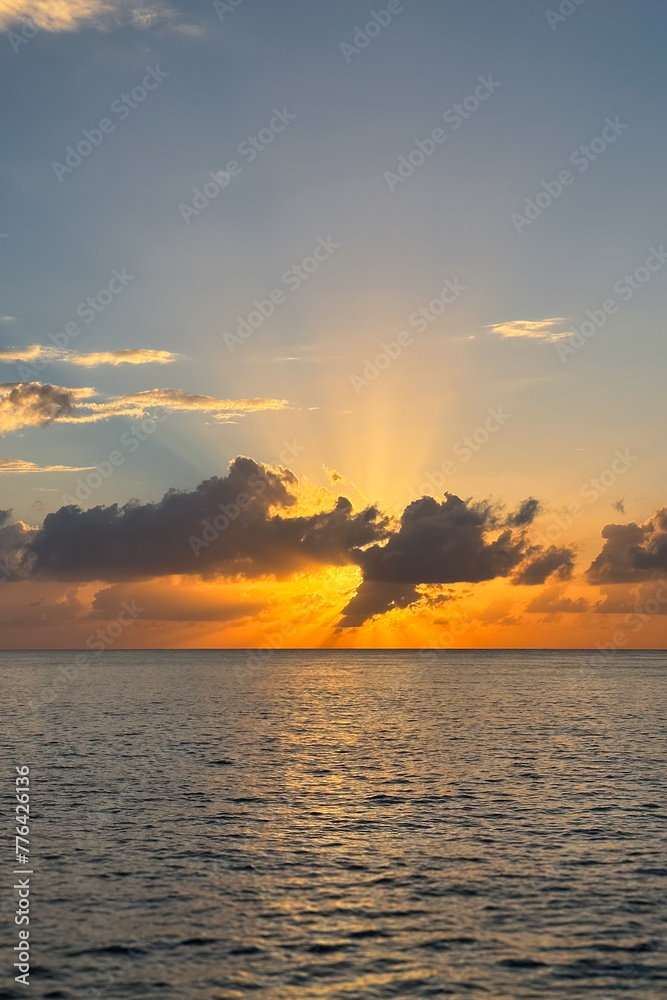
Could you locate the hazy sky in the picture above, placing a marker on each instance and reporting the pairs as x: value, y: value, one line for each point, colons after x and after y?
x: 471, y: 191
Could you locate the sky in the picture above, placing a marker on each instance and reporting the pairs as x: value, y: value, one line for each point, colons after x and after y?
x: 271, y: 274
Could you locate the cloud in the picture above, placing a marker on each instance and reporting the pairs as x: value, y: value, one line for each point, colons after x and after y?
x: 36, y: 404
x: 552, y: 602
x: 235, y: 525
x: 632, y: 553
x: 14, y: 537
x: 34, y: 352
x: 641, y: 599
x: 258, y: 521
x: 70, y: 15
x: 182, y: 602
x: 453, y: 541
x: 176, y: 399
x: 19, y: 465
x: 532, y: 329
x: 558, y: 562
x: 525, y: 513
x: 131, y: 356
x: 190, y: 30
x: 444, y: 542
x: 43, y: 613
x: 499, y: 614
x: 32, y: 404
x: 373, y: 599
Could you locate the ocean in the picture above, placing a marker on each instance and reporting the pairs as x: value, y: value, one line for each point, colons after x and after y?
x: 219, y: 825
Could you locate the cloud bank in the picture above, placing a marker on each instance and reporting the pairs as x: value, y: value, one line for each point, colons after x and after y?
x: 249, y: 524
x: 238, y: 524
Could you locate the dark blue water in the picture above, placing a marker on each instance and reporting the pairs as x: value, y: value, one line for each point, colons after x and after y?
x: 340, y: 825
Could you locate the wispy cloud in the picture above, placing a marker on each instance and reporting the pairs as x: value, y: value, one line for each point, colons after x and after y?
x: 14, y: 355
x: 20, y: 466
x: 131, y: 356
x: 220, y: 409
x: 137, y: 356
x: 69, y: 15
x: 545, y: 330
x: 36, y: 404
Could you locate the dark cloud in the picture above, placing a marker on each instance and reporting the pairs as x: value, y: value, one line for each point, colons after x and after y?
x: 444, y: 542
x: 225, y: 526
x: 632, y: 552
x: 452, y: 541
x: 248, y: 523
x: 525, y: 513
x: 373, y: 599
x: 558, y: 562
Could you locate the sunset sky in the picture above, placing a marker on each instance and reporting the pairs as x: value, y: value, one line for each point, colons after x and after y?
x: 273, y: 272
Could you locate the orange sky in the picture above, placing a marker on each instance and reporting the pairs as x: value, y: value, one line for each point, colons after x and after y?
x: 302, y: 608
